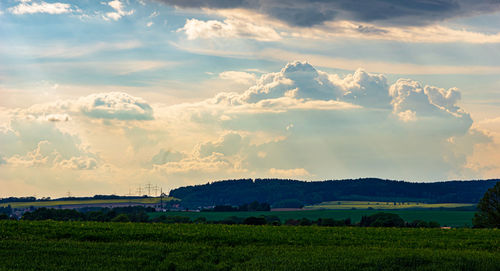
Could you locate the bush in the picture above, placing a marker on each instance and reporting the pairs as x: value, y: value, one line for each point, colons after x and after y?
x: 382, y: 220
x: 255, y: 221
x: 121, y: 218
x: 305, y: 222
x: 172, y: 219
x: 54, y: 214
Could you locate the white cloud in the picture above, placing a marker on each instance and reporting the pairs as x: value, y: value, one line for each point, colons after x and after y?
x: 215, y: 163
x: 238, y: 77
x: 119, y: 12
x: 149, y: 24
x: 46, y: 155
x: 40, y: 143
x: 412, y: 101
x: 28, y: 7
x: 110, y: 105
x: 358, y: 123
x: 229, y: 28
x: 115, y: 105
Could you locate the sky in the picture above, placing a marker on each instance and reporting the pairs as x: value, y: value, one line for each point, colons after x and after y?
x: 102, y: 97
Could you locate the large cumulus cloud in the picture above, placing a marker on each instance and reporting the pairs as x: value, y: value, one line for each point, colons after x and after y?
x: 307, y: 13
x: 302, y: 120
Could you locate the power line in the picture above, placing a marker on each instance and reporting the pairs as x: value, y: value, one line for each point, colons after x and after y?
x: 148, y: 187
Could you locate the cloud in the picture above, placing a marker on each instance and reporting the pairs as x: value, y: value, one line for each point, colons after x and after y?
x: 107, y: 105
x: 39, y: 143
x: 164, y: 156
x: 238, y: 77
x: 351, y: 126
x: 115, y: 105
x: 229, y: 28
x: 46, y: 155
x: 119, y: 12
x: 305, y: 13
x: 228, y: 145
x: 300, y: 81
x: 57, y: 117
x: 215, y: 163
x: 297, y: 122
x: 411, y: 101
x: 28, y: 7
x: 332, y: 30
x: 294, y: 173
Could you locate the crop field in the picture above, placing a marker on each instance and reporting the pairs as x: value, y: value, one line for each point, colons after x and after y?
x: 83, y: 202
x: 443, y: 217
x: 50, y: 245
x: 345, y: 205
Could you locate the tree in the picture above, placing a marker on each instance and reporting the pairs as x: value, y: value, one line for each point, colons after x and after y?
x: 488, y: 214
x: 382, y: 220
x: 121, y: 218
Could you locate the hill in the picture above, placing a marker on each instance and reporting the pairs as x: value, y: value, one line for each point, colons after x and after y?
x: 279, y: 192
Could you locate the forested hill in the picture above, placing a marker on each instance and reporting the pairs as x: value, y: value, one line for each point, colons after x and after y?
x: 278, y: 191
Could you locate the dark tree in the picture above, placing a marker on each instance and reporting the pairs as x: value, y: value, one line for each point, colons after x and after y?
x: 488, y: 214
x: 255, y: 221
x: 382, y: 220
x: 121, y: 218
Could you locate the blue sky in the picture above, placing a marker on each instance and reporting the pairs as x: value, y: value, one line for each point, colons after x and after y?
x: 97, y: 97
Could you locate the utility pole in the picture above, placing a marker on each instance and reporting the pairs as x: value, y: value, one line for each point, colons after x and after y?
x: 161, y: 199
x: 139, y: 191
x: 155, y: 190
x: 148, y: 187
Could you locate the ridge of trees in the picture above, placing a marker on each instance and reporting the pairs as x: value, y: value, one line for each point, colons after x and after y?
x: 139, y: 214
x: 279, y: 192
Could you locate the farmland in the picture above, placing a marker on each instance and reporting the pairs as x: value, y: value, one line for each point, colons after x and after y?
x: 345, y: 205
x: 53, y: 245
x: 85, y: 202
x: 443, y: 217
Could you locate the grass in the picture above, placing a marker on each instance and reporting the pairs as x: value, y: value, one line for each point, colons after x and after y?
x: 83, y: 202
x: 344, y: 205
x: 49, y: 245
x: 443, y: 217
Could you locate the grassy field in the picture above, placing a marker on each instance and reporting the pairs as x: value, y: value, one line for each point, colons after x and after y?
x: 345, y: 205
x: 443, y: 217
x: 52, y: 245
x: 82, y: 202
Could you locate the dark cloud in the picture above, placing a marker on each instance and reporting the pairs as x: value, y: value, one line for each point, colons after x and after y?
x: 388, y: 12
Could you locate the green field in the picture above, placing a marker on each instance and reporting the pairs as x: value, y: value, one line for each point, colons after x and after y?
x: 83, y: 202
x: 53, y: 245
x: 443, y: 217
x: 344, y: 205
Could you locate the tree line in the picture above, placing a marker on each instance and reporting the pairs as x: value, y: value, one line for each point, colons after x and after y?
x: 293, y: 194
x: 247, y: 207
x: 139, y: 214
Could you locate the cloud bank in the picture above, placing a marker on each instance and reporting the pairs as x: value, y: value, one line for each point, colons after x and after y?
x: 305, y: 13
x: 299, y: 122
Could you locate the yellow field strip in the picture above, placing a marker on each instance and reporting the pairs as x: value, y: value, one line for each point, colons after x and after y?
x: 83, y: 202
x: 343, y: 205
